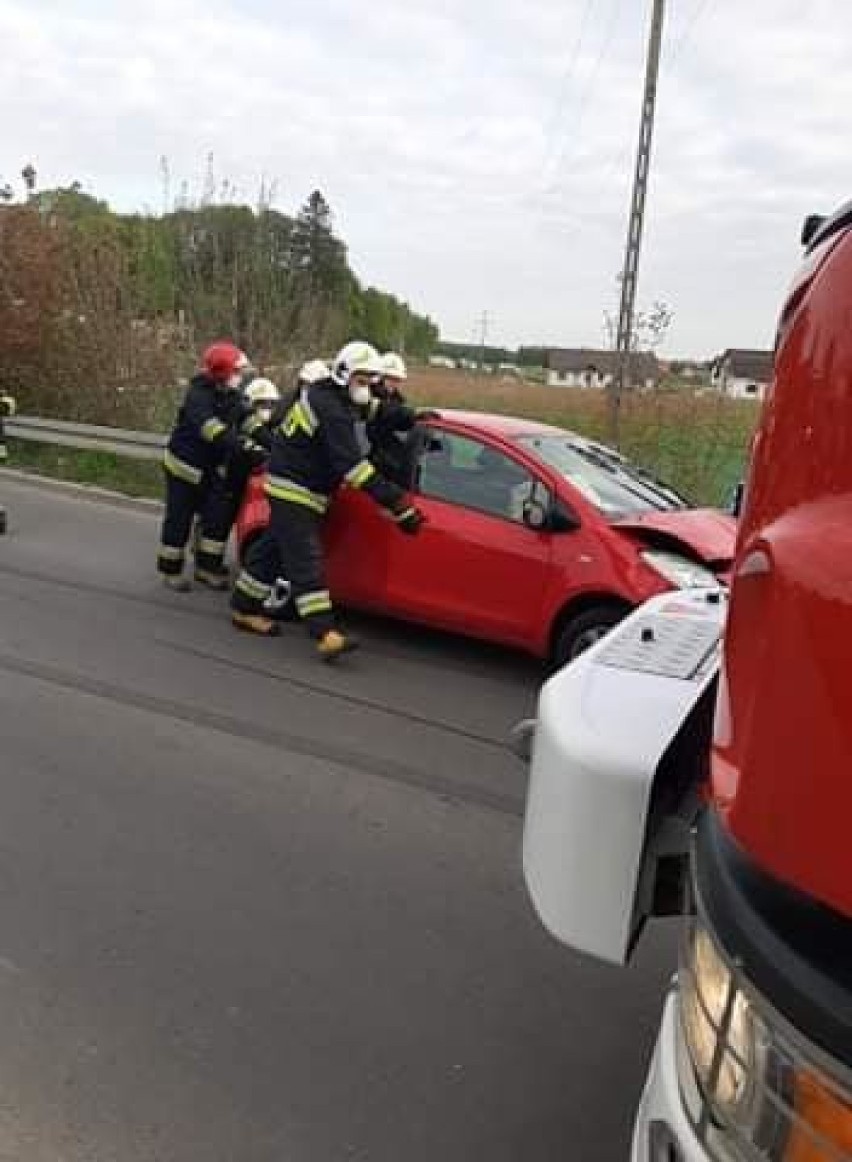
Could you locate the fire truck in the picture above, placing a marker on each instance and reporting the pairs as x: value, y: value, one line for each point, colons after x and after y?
x: 697, y: 763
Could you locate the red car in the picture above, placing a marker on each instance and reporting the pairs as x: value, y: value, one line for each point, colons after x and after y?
x: 536, y: 538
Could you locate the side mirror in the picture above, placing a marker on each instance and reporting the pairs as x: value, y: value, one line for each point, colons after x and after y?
x: 562, y: 518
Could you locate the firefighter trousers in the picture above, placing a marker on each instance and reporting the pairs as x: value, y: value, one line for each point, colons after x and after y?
x: 184, y: 502
x: 291, y: 547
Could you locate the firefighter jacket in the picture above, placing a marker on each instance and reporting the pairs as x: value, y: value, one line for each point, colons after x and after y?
x: 315, y: 449
x: 210, y: 426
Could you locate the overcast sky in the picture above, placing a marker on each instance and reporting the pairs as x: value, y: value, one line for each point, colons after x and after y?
x: 477, y: 154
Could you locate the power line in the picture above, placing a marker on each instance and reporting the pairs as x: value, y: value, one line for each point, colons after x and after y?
x: 568, y: 153
x: 562, y: 89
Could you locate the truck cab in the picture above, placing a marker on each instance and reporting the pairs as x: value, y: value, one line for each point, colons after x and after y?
x: 696, y: 762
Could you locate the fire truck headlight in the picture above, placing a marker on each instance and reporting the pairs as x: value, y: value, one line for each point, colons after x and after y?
x: 761, y: 1092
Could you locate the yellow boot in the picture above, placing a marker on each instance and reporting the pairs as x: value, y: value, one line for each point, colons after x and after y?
x: 255, y: 623
x: 333, y: 644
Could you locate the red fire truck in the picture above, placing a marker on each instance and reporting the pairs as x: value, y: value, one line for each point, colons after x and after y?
x: 698, y: 761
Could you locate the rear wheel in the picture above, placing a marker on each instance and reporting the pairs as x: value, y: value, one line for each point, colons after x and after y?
x: 584, y: 629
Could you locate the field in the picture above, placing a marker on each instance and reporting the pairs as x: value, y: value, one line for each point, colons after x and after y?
x: 696, y: 443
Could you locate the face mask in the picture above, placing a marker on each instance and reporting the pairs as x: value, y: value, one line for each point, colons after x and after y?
x: 359, y: 393
x: 264, y: 414
x: 234, y: 382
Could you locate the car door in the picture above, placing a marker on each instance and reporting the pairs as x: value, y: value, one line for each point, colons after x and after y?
x: 475, y: 566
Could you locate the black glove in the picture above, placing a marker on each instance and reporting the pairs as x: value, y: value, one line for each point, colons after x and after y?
x: 254, y: 453
x: 409, y: 520
x: 427, y: 414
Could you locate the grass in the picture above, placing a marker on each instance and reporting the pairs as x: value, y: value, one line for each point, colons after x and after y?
x: 103, y: 469
x: 696, y: 443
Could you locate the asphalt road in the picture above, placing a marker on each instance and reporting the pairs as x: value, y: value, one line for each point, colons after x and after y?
x: 254, y: 909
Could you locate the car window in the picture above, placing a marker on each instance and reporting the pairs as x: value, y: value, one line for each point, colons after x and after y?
x: 611, y: 483
x: 466, y: 472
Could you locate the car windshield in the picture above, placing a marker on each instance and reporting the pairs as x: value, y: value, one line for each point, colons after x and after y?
x: 605, y: 478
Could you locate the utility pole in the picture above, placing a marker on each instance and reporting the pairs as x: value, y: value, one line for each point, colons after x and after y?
x: 483, y: 323
x: 624, y: 334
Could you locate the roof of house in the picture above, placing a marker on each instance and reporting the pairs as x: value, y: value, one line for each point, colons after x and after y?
x: 643, y: 364
x: 745, y: 363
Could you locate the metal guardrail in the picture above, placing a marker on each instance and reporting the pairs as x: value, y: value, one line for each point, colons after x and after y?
x: 87, y: 437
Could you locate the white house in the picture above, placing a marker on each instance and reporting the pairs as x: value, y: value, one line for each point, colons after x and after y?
x: 741, y: 373
x: 587, y: 367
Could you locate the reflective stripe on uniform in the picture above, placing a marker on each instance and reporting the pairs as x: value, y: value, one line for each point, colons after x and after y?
x: 280, y: 488
x: 373, y: 408
x: 300, y: 418
x: 251, y: 424
x: 310, y: 603
x: 212, y: 429
x: 215, y: 548
x: 182, y: 470
x: 361, y: 474
x: 252, y: 587
x: 170, y: 553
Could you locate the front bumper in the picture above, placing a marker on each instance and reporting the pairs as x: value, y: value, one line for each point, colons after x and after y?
x: 662, y: 1132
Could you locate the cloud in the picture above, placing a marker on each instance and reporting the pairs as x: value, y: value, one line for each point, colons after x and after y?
x: 478, y: 155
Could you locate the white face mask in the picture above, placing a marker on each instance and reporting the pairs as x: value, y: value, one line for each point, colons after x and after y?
x: 233, y: 382
x: 264, y: 413
x: 360, y: 393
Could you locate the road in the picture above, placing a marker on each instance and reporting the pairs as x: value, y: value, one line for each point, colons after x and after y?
x: 253, y: 908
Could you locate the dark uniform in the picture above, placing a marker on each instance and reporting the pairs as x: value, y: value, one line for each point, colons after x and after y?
x: 388, y: 422
x: 314, y: 450
x: 213, y: 424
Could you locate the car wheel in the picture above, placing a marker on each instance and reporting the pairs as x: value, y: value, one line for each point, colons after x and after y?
x: 584, y: 630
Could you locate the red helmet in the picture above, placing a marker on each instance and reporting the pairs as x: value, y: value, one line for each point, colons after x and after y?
x: 222, y: 360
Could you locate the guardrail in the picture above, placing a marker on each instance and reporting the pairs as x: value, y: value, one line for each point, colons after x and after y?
x: 87, y: 437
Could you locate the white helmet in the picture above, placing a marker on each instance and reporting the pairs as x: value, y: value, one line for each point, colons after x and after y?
x: 393, y: 366
x: 314, y: 371
x: 354, y: 357
x: 262, y: 390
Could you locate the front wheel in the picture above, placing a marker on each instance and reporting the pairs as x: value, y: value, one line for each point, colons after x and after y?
x: 583, y: 630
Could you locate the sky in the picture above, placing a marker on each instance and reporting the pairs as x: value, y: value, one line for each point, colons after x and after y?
x: 477, y: 154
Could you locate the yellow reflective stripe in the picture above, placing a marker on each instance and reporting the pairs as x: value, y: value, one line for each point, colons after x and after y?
x: 180, y: 469
x: 361, y: 474
x: 251, y: 587
x: 317, y: 602
x: 205, y: 545
x: 281, y: 488
x: 373, y: 408
x: 213, y: 429
x: 251, y: 424
x: 170, y: 553
x: 300, y: 418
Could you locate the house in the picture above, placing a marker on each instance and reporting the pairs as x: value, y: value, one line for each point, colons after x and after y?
x: 742, y: 373
x: 442, y: 361
x: 587, y: 367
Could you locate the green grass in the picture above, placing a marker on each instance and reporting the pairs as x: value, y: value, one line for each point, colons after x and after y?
x: 102, y: 469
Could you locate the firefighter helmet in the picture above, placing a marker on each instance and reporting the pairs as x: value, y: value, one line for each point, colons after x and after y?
x: 224, y: 361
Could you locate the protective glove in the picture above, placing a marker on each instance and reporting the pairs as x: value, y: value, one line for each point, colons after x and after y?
x: 409, y: 520
x: 254, y: 453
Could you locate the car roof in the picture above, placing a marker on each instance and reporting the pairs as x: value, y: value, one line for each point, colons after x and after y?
x: 507, y: 427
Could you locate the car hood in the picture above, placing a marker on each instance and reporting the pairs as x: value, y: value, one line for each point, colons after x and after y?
x: 705, y: 533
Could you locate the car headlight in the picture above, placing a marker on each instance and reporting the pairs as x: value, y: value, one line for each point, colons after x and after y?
x: 680, y: 571
x: 761, y: 1093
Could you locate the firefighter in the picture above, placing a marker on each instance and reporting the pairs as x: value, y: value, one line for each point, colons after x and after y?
x: 314, y: 450
x: 213, y: 423
x: 389, y: 420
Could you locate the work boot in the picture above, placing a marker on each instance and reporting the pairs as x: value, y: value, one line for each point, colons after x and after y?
x: 333, y: 644
x: 213, y: 578
x: 255, y: 623
x: 177, y: 582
